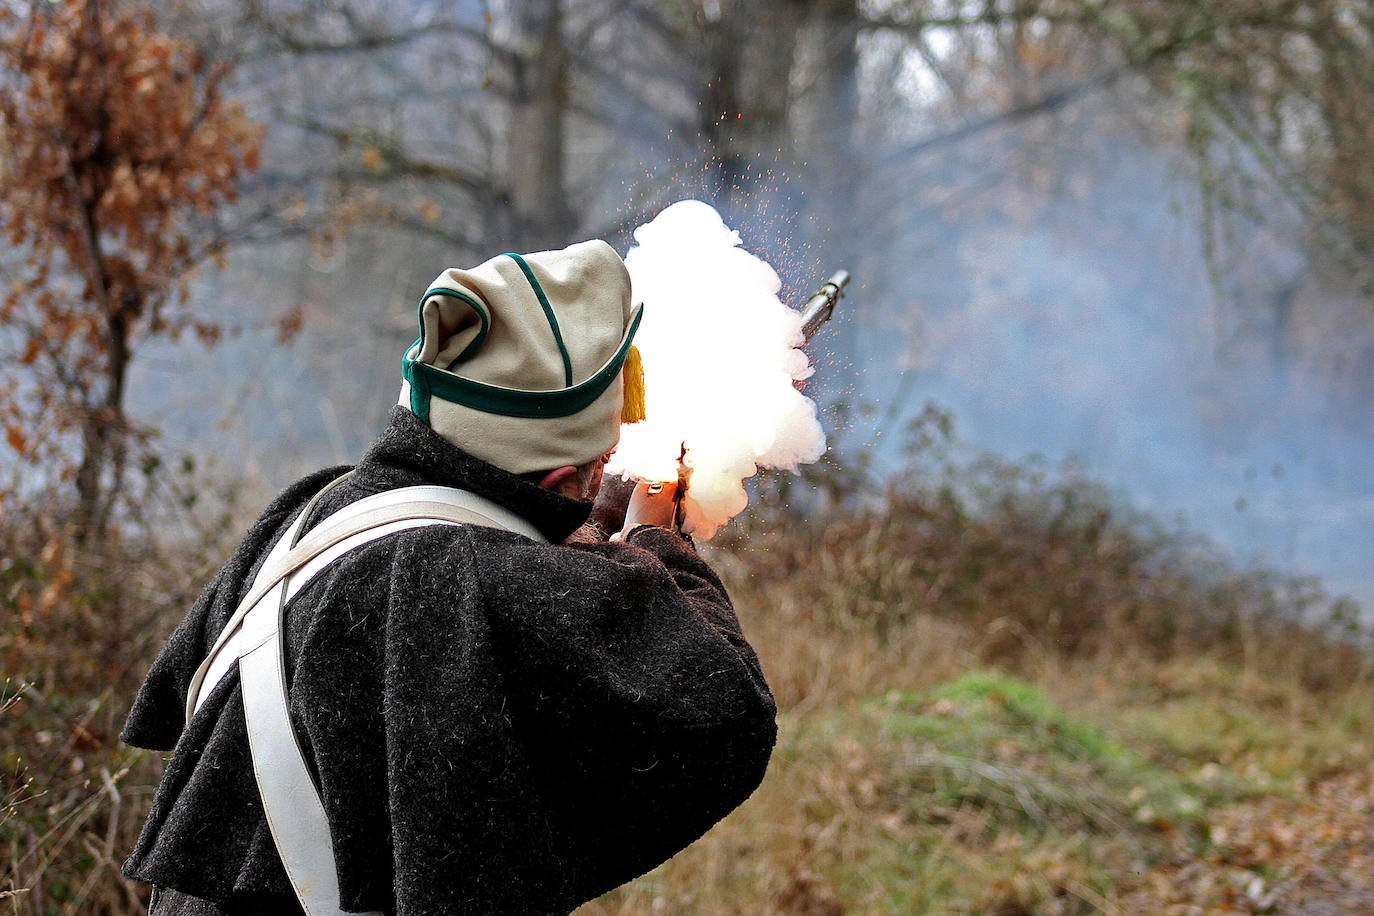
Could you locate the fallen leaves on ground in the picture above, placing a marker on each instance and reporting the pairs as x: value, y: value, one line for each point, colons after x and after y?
x: 1310, y: 853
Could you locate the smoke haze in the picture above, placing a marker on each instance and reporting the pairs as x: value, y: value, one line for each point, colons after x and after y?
x: 720, y: 362
x: 1045, y: 281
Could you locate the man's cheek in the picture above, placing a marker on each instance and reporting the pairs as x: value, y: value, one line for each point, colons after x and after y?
x: 594, y: 482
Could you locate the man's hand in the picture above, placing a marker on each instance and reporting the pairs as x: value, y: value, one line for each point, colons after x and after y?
x: 608, y: 513
x: 650, y: 504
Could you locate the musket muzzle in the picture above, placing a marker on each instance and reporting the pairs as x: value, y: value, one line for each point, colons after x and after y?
x: 821, y: 306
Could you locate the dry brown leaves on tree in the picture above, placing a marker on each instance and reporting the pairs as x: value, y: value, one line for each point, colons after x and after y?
x: 119, y: 148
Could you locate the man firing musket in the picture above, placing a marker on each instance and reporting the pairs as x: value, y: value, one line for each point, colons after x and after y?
x: 422, y: 685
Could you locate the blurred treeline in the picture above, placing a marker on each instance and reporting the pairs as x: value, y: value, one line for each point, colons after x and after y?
x: 184, y: 176
x: 148, y: 147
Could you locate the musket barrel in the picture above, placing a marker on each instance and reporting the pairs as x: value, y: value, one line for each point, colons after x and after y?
x: 821, y: 306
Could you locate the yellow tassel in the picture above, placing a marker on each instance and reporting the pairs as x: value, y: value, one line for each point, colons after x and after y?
x: 633, y: 409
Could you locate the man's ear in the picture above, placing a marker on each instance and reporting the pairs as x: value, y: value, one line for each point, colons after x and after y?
x: 555, y: 480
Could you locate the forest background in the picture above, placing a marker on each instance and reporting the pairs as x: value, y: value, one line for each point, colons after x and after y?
x: 1095, y: 523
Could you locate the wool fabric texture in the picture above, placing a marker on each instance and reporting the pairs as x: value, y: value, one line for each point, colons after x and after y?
x: 496, y: 725
x: 541, y: 325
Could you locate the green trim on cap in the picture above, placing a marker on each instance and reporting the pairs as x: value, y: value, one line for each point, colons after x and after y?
x: 419, y: 384
x: 483, y: 315
x: 426, y: 381
x: 548, y: 313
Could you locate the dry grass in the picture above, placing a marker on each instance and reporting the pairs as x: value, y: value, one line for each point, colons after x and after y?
x: 1197, y: 685
x: 999, y: 695
x: 872, y: 807
x: 82, y: 626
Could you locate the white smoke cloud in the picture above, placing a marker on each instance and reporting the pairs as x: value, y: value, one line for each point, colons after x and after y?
x: 720, y: 359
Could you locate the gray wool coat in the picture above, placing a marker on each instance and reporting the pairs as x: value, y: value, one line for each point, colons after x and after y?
x: 496, y: 725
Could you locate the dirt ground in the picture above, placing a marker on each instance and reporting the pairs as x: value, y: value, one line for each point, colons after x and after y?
x: 1309, y: 854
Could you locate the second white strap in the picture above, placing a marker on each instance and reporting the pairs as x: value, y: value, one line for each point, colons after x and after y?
x: 295, y: 812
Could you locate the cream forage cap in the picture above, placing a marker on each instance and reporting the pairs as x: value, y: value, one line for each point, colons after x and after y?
x: 519, y: 359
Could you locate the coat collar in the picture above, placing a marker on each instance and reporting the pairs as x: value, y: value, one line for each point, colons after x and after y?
x: 410, y: 453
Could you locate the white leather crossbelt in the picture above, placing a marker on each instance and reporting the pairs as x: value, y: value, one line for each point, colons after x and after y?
x: 253, y: 638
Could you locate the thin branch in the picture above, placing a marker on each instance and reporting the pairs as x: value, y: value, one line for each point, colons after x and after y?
x: 288, y: 42
x: 1051, y: 102
x: 916, y: 25
x: 577, y: 44
x: 433, y: 231
x: 401, y: 163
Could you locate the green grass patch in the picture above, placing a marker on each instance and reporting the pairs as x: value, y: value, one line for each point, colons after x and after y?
x: 979, y: 795
x: 1251, y: 732
x: 999, y: 744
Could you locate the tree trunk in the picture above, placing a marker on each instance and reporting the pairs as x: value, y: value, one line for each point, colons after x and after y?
x: 825, y: 122
x: 540, y: 216
x: 826, y: 106
x: 749, y: 50
x: 104, y: 434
